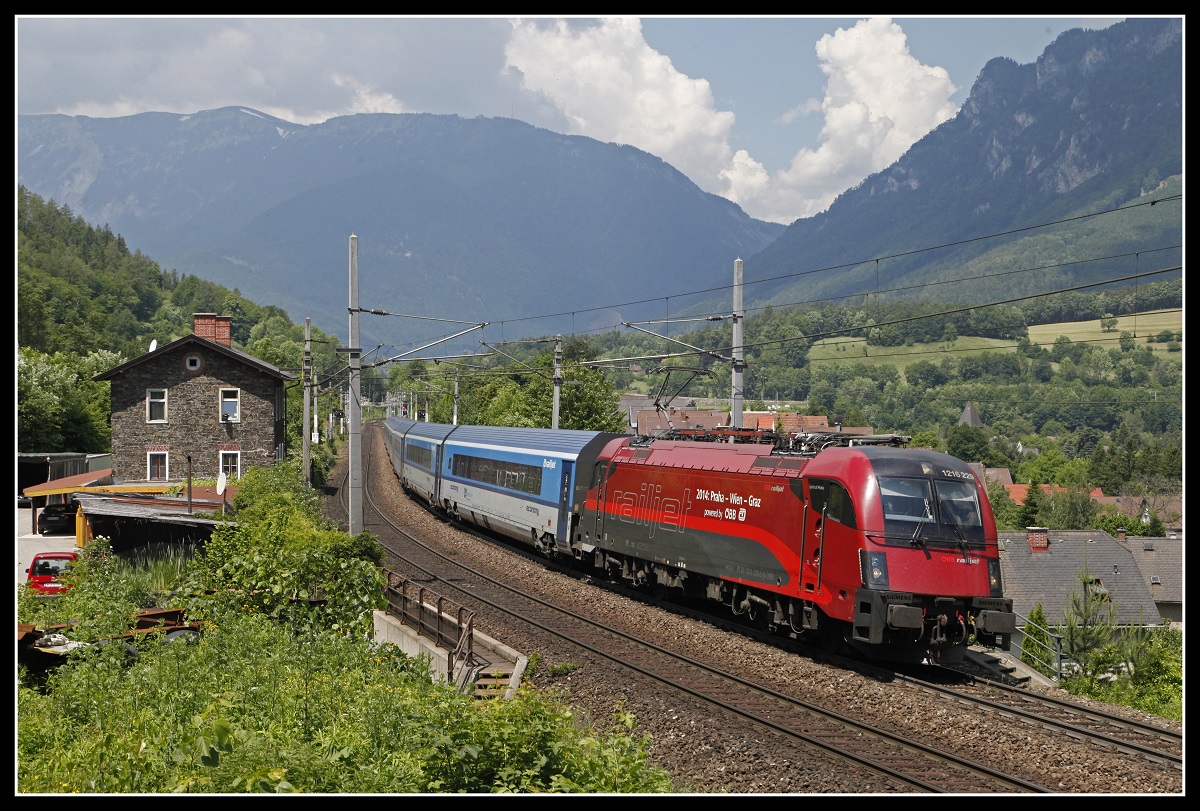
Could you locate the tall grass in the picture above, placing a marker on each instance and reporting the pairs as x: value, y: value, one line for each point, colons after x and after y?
x: 158, y: 569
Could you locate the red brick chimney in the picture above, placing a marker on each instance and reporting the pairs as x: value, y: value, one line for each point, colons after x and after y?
x: 1039, y: 539
x: 213, y: 327
x: 1120, y: 533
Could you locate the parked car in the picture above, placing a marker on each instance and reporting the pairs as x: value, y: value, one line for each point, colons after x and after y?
x: 57, y: 518
x: 46, y: 570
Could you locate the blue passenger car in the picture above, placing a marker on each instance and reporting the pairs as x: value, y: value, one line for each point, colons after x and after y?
x: 416, y: 451
x: 519, y: 482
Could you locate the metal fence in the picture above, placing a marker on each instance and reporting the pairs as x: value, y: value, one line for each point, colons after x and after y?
x: 433, y: 617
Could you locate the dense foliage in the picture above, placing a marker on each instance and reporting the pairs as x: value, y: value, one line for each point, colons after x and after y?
x: 281, y: 693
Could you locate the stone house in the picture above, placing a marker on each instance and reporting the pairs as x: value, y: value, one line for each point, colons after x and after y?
x: 195, y: 407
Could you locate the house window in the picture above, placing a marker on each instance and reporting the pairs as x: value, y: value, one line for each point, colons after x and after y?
x: 156, y: 467
x: 193, y: 363
x: 1096, y: 587
x: 156, y: 405
x: 230, y: 410
x: 231, y: 462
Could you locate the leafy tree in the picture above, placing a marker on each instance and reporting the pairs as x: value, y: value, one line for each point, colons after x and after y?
x: 967, y: 442
x: 1066, y: 508
x: 59, y: 407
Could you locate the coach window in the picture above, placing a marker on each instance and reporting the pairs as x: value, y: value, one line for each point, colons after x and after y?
x: 231, y: 464
x: 156, y: 405
x: 230, y: 405
x: 156, y: 467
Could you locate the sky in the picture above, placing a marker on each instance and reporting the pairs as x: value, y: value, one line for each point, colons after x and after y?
x: 778, y: 114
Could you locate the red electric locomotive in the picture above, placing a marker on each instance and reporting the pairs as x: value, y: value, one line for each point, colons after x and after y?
x: 886, y: 549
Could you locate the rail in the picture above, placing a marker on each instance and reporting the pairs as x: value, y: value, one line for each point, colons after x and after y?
x: 447, y: 624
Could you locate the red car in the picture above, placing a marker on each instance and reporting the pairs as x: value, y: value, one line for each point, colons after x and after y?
x: 46, y: 570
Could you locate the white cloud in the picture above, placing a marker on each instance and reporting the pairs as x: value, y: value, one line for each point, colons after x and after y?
x: 610, y: 85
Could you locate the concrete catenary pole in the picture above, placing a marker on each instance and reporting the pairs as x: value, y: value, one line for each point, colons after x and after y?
x: 739, y: 364
x: 306, y: 388
x: 558, y: 379
x: 354, y: 510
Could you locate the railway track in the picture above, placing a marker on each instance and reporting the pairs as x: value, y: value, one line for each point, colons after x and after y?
x: 1120, y: 733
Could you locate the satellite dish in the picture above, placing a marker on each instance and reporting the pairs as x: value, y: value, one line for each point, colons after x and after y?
x: 154, y: 345
x: 221, y: 484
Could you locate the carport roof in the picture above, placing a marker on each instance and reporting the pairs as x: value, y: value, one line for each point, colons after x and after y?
x: 69, y: 484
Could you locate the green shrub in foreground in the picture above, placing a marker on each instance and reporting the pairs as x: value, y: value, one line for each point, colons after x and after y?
x: 256, y: 706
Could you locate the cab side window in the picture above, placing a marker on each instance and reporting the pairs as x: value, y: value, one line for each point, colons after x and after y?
x: 833, y: 500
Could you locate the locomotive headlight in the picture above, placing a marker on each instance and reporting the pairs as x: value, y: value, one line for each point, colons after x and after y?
x: 874, y: 569
x: 995, y: 587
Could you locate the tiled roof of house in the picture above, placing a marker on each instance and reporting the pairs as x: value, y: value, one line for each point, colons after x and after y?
x: 1160, y: 560
x: 1050, y: 576
x: 651, y: 423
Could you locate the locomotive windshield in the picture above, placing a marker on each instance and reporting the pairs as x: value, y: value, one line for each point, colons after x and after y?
x: 930, y: 511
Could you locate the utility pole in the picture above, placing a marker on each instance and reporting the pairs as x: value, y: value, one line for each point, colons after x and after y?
x: 305, y: 384
x: 739, y: 363
x: 354, y: 509
x: 558, y: 379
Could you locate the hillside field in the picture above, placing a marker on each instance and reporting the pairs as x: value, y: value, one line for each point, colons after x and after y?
x: 1142, y: 326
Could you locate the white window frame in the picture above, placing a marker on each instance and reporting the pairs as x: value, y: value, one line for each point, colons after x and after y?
x: 166, y: 458
x: 150, y: 402
x: 237, y: 405
x: 236, y: 473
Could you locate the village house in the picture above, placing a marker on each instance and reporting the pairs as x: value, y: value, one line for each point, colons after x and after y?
x: 195, y: 407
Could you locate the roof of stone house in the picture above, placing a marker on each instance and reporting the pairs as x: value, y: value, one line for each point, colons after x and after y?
x: 1049, y: 577
x: 215, y: 346
x: 1160, y: 560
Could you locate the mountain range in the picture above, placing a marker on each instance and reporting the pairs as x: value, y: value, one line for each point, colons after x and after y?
x: 493, y: 220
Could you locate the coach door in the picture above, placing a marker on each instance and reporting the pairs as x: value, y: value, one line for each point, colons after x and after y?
x: 564, y: 502
x: 600, y: 476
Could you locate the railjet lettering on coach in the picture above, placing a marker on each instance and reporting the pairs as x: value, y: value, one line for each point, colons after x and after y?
x: 648, y: 507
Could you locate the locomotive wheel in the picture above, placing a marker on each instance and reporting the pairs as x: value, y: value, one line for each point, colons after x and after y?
x: 831, y: 636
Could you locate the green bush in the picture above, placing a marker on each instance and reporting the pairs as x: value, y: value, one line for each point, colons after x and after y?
x: 260, y: 706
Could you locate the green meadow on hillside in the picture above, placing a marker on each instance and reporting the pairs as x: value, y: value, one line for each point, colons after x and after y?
x: 1141, y: 326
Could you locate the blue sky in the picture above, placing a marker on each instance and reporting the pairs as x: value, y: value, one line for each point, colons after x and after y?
x: 778, y: 114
